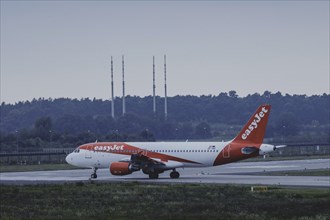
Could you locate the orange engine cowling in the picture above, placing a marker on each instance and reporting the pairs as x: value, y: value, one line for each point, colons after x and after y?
x: 120, y: 168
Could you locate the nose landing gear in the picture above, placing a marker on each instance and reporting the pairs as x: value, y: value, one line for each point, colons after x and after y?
x: 94, y: 175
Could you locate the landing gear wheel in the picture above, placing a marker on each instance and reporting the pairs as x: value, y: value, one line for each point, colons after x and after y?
x: 153, y: 175
x: 94, y: 175
x: 174, y: 175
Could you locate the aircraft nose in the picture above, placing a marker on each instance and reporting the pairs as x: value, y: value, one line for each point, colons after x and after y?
x: 68, y: 158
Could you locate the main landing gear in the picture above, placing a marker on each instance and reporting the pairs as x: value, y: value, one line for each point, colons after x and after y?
x: 153, y: 175
x: 94, y: 175
x: 174, y: 174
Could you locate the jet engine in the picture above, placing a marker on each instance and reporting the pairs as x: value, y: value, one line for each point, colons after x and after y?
x: 120, y: 168
x: 123, y: 168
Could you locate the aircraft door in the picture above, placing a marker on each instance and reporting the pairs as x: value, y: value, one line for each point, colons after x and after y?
x: 88, y: 153
x: 226, y: 151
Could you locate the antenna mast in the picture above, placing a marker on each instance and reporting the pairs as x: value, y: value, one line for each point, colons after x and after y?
x: 154, y: 85
x: 124, y: 107
x: 112, y: 93
x: 165, y: 86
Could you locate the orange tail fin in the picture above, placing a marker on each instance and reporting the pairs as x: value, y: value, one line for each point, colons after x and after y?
x: 254, y: 131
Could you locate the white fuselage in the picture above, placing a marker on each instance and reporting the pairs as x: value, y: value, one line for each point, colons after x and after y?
x: 202, y: 153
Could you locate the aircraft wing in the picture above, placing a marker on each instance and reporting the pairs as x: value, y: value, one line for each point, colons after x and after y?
x: 149, y: 164
x: 145, y: 163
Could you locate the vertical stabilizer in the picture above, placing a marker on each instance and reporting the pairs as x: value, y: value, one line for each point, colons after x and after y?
x: 255, y: 129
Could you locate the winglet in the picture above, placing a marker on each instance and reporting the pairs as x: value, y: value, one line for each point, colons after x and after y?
x: 254, y: 131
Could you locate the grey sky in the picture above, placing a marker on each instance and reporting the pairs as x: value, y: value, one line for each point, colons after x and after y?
x: 62, y: 49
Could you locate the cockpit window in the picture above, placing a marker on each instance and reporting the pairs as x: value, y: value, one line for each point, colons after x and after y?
x: 76, y: 150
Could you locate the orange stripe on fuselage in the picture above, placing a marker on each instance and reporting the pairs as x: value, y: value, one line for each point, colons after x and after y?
x: 232, y: 153
x: 125, y: 149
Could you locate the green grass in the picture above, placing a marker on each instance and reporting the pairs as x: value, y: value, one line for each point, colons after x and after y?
x: 41, y: 167
x: 146, y: 201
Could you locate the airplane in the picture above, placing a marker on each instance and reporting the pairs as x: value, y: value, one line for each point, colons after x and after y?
x: 153, y: 158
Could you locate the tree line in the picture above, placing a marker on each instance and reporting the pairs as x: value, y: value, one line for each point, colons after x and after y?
x: 68, y: 122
